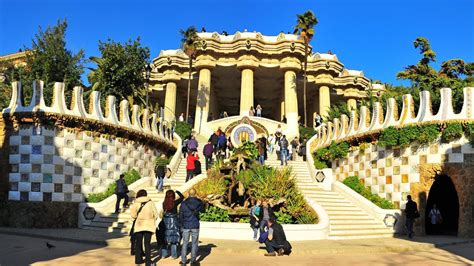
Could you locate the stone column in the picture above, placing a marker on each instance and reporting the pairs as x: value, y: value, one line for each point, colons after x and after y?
x: 282, y: 106
x: 351, y: 104
x: 170, y: 101
x: 291, y: 104
x: 202, y: 100
x: 324, y: 101
x: 246, y: 91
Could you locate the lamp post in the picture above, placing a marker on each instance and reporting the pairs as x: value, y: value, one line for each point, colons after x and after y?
x: 147, y: 81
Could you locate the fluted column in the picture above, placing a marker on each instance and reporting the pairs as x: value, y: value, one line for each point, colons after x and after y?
x: 351, y: 104
x: 246, y: 91
x: 170, y: 101
x: 202, y: 100
x: 291, y: 103
x: 324, y: 101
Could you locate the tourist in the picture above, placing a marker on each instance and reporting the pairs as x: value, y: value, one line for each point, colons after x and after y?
x: 192, y: 144
x: 259, y: 110
x: 317, y: 120
x: 221, y: 115
x: 230, y: 147
x: 271, y: 143
x: 277, y: 149
x: 144, y: 213
x: 190, y: 120
x: 121, y: 190
x: 214, y: 139
x: 225, y: 114
x: 284, y: 150
x: 283, y: 120
x: 207, y: 151
x: 290, y: 153
x: 191, y: 165
x: 411, y: 213
x: 276, y: 242
x: 251, y: 111
x: 189, y: 219
x: 222, y: 142
x: 295, y: 143
x: 303, y: 149
x: 171, y: 222
x: 261, y: 151
x: 160, y: 170
x: 264, y: 141
x: 436, y: 219
x: 278, y: 133
x: 266, y: 212
x: 184, y: 147
x: 254, y: 220
x: 181, y: 117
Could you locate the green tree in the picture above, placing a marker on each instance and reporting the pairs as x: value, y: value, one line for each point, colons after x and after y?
x: 50, y: 61
x: 305, y: 28
x: 120, y: 70
x: 190, y: 43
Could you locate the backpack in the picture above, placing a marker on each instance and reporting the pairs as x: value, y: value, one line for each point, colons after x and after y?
x: 197, y: 167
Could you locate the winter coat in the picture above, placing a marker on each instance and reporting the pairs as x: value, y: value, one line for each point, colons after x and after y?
x: 214, y: 139
x: 145, y: 222
x: 121, y: 186
x: 284, y: 144
x: 411, y: 210
x: 172, y: 231
x: 190, y: 162
x: 189, y: 213
x: 192, y: 144
x: 208, y: 150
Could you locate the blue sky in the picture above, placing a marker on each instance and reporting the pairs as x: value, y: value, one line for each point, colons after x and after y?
x: 374, y: 36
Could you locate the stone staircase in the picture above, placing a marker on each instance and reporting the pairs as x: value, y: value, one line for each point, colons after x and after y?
x: 346, y: 219
x: 121, y: 223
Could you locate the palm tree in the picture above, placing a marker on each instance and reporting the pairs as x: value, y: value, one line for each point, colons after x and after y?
x: 189, y: 43
x: 305, y: 28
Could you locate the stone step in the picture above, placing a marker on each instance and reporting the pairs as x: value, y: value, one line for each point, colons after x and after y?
x: 348, y: 208
x: 356, y: 227
x: 359, y: 232
x: 349, y: 217
x: 359, y: 236
x: 346, y: 213
x: 122, y: 231
x: 367, y: 221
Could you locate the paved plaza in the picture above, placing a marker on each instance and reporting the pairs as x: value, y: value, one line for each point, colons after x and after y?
x: 25, y: 250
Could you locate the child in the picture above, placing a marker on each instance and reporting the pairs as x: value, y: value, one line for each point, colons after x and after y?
x: 254, y: 221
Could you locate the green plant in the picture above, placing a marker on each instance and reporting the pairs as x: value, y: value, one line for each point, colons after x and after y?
x: 469, y: 132
x: 306, y: 132
x: 244, y: 220
x: 452, y: 132
x: 354, y: 183
x: 248, y: 149
x: 428, y: 134
x: 214, y: 214
x: 388, y: 137
x: 283, y: 218
x: 307, y: 217
x: 183, y: 129
x: 214, y: 184
x: 130, y: 177
x: 319, y: 164
x: 324, y: 156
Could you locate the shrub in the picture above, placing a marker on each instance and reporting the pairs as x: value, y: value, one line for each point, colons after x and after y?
x: 244, y: 220
x: 428, y: 134
x: 319, y: 164
x: 388, y: 137
x: 306, y: 132
x: 407, y: 135
x: 130, y: 177
x: 183, y: 129
x: 324, y: 156
x: 307, y: 217
x: 469, y: 132
x: 452, y: 132
x: 283, y: 218
x: 213, y: 184
x: 214, y: 214
x: 354, y: 183
x: 249, y: 149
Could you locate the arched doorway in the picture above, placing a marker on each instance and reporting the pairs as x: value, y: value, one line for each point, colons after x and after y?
x: 444, y: 195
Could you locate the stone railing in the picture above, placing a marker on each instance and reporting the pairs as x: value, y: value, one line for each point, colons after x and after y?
x: 365, y: 124
x: 138, y: 123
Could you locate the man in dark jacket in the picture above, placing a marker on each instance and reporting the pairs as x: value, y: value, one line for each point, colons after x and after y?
x: 121, y: 190
x: 411, y: 213
x: 207, y: 151
x: 284, y: 150
x: 276, y: 240
x: 189, y: 218
x: 160, y: 171
x: 214, y: 139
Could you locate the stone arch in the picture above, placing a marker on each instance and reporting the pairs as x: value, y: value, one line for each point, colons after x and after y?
x: 462, y: 177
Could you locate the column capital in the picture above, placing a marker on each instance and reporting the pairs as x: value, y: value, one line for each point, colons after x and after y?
x: 171, y: 76
x: 247, y: 62
x: 290, y: 63
x: 205, y: 61
x: 324, y: 80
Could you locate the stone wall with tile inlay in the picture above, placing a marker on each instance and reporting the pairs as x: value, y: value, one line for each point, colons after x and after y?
x: 48, y: 163
x: 391, y: 171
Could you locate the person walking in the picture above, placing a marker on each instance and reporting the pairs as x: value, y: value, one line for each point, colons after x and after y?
x: 261, y: 151
x: 171, y: 221
x: 230, y: 147
x: 160, y: 171
x: 251, y: 111
x: 192, y: 144
x: 121, y: 190
x: 259, y: 110
x: 189, y: 218
x: 214, y: 139
x: 271, y: 143
x: 207, y: 151
x: 436, y: 219
x: 295, y: 143
x: 276, y: 242
x: 317, y: 120
x: 181, y: 117
x: 411, y: 213
x: 144, y: 213
x: 254, y: 220
x: 303, y: 149
x: 184, y: 147
x: 284, y: 150
x: 191, y: 165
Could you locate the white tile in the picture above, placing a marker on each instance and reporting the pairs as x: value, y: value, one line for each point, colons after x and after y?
x: 456, y: 157
x: 15, y: 140
x: 47, y: 187
x: 25, y: 149
x: 36, y: 177
x: 13, y: 195
x: 57, y: 197
x: 58, y: 178
x: 48, y: 149
x: 14, y: 177
x: 14, y: 158
x: 36, y: 196
x: 37, y: 140
x: 24, y: 186
x: 36, y: 158
x: 24, y: 168
x: 47, y: 168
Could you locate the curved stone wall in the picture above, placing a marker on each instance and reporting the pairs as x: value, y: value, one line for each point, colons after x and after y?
x: 62, y: 154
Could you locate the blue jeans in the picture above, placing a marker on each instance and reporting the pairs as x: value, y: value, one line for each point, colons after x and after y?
x: 174, y: 251
x: 263, y: 224
x: 284, y: 156
x: 272, y: 246
x: 409, y: 224
x: 160, y: 182
x: 270, y: 148
x: 194, y: 233
x: 255, y: 233
x: 261, y: 159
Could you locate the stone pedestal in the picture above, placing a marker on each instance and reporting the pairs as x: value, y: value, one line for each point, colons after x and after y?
x: 202, y: 100
x: 170, y: 101
x: 246, y: 91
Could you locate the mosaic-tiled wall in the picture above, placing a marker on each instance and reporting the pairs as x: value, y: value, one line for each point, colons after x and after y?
x: 389, y: 171
x: 52, y: 164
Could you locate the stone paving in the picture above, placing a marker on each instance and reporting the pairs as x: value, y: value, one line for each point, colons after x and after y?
x: 24, y: 250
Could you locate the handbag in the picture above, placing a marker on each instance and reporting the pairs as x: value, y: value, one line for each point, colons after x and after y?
x: 132, y: 233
